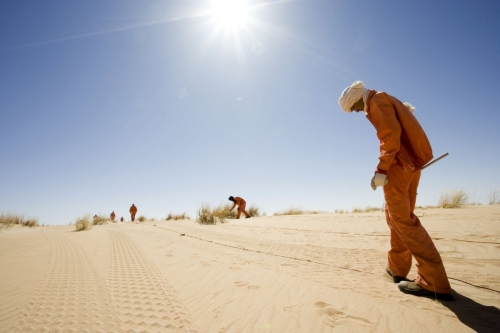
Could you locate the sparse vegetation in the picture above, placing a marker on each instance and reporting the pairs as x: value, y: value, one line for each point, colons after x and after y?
x: 142, y: 218
x: 176, y: 217
x: 83, y: 223
x: 253, y: 211
x: 290, y: 211
x: 209, y: 215
x: 453, y: 199
x: 494, y: 197
x: 8, y: 220
x: 355, y: 210
x: 295, y: 211
x: 99, y: 219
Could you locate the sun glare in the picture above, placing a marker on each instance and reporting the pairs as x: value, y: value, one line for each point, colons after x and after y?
x: 230, y: 14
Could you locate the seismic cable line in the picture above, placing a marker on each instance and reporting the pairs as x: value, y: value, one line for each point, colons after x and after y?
x: 305, y: 260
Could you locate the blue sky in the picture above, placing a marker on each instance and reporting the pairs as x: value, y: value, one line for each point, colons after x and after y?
x: 108, y: 103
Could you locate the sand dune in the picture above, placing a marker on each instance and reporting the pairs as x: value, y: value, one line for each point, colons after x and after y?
x: 307, y: 273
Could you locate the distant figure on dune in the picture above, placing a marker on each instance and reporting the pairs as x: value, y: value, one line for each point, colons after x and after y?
x: 241, y: 206
x: 112, y: 216
x: 95, y: 218
x: 133, y: 211
x: 121, y: 219
x: 404, y: 150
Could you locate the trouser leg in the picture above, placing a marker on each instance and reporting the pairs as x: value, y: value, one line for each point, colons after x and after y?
x: 242, y: 209
x: 398, y: 257
x: 400, y: 202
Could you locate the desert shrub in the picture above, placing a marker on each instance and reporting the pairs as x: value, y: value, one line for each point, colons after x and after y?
x: 141, y: 218
x: 209, y: 215
x: 367, y: 209
x: 83, y: 223
x: 205, y: 215
x: 99, y: 219
x: 30, y: 223
x: 253, y: 211
x: 494, y: 197
x: 176, y: 217
x: 340, y: 211
x: 291, y: 211
x: 453, y: 199
x: 8, y: 220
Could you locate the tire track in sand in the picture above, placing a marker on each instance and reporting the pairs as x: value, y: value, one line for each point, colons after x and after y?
x: 72, y: 297
x: 142, y: 298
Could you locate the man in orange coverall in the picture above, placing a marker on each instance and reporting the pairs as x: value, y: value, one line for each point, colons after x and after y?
x: 241, y: 206
x: 112, y: 216
x: 404, y: 150
x: 133, y: 211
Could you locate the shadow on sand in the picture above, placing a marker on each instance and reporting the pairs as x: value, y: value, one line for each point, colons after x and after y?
x: 478, y: 317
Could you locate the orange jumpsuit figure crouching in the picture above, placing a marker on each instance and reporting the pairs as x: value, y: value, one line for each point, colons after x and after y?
x: 241, y: 206
x: 133, y: 211
x: 404, y: 150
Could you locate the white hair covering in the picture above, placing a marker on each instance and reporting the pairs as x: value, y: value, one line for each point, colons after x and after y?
x: 355, y: 92
x: 352, y: 94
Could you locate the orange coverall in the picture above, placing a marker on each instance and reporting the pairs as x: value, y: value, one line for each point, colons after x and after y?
x: 133, y: 211
x: 241, y: 206
x: 404, y: 149
x: 112, y: 216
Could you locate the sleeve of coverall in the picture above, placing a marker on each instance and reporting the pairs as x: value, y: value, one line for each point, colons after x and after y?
x: 388, y: 130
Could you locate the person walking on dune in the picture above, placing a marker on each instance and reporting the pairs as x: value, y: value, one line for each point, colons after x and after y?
x: 404, y: 150
x: 133, y: 211
x: 112, y: 216
x: 241, y: 206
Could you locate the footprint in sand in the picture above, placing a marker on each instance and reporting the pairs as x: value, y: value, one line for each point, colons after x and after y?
x: 332, y: 317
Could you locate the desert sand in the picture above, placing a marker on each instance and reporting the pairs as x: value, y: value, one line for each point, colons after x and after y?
x: 303, y: 273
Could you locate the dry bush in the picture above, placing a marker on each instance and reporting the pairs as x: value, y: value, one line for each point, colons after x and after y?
x: 83, y: 223
x: 253, y: 211
x: 494, y: 197
x: 209, y: 215
x: 368, y: 209
x: 30, y: 223
x: 453, y: 199
x: 141, y: 218
x: 8, y: 220
x: 291, y: 211
x: 176, y: 217
x: 99, y: 220
x: 205, y: 215
x: 340, y: 211
x: 224, y: 212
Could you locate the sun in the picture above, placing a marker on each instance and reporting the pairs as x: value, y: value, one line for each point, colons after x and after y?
x: 230, y: 14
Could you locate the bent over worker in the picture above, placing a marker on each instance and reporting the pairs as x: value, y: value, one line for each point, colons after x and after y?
x: 241, y: 206
x: 133, y: 211
x: 404, y: 149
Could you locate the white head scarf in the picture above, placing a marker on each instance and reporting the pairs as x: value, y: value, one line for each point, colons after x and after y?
x: 352, y: 94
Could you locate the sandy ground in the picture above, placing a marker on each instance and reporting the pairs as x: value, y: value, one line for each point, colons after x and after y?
x: 306, y: 273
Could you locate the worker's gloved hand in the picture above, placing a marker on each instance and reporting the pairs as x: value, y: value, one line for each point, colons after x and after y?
x: 378, y: 179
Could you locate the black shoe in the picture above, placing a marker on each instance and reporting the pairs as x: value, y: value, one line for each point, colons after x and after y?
x: 412, y: 288
x: 395, y: 278
x: 247, y: 217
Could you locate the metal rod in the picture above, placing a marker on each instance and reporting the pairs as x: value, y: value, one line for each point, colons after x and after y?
x: 434, y: 161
